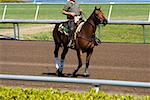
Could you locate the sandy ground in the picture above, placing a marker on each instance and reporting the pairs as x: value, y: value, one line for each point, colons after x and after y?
x: 112, y: 61
x: 34, y: 29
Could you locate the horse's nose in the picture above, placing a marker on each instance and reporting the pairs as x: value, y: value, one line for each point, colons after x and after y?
x: 105, y: 22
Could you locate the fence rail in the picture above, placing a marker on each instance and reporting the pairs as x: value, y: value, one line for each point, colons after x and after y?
x: 94, y: 82
x: 115, y: 22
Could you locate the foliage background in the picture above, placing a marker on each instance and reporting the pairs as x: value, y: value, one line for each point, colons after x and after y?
x: 7, y: 93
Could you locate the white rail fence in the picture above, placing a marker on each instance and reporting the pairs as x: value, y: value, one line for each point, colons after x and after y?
x: 95, y: 82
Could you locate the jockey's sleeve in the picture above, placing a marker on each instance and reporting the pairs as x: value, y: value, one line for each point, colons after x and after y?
x: 66, y: 6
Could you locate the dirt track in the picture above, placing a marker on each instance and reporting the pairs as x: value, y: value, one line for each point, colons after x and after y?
x: 129, y: 62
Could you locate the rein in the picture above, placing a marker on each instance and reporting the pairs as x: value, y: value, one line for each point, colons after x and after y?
x: 90, y: 37
x: 91, y: 24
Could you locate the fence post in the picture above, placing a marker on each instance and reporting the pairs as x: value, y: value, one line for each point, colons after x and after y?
x: 37, y: 12
x: 4, y: 12
x: 110, y: 10
x: 14, y: 26
x: 16, y: 30
x: 34, y: 1
x: 149, y: 17
x: 144, y: 34
x: 97, y: 88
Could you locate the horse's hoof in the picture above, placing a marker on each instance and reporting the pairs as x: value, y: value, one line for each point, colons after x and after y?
x: 86, y: 74
x: 73, y: 75
x: 59, y: 73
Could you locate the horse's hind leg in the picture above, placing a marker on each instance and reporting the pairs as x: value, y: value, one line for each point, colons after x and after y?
x: 56, y: 57
x: 64, y: 52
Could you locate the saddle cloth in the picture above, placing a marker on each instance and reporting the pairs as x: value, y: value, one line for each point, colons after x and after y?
x: 65, y: 30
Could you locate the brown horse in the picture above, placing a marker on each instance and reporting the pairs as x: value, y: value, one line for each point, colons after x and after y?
x: 85, y: 41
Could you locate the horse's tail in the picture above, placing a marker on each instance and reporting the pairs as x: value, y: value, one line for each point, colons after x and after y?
x: 57, y: 34
x: 55, y: 30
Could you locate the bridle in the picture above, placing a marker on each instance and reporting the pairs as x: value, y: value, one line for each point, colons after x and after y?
x: 92, y: 39
x: 98, y: 19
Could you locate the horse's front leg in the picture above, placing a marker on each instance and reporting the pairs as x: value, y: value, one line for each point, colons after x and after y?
x: 79, y: 55
x: 88, y: 56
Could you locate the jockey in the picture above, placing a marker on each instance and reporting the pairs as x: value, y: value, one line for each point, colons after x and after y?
x: 71, y: 9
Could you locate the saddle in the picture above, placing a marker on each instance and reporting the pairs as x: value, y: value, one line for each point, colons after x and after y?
x: 71, y: 29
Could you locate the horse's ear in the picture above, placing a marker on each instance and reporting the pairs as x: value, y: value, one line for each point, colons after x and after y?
x: 95, y: 7
x: 100, y: 8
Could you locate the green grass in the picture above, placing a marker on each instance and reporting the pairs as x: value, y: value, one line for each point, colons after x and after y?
x: 110, y: 33
x: 123, y: 33
x: 7, y: 93
x: 130, y: 12
x: 54, y: 11
x: 20, y: 12
x: 39, y: 36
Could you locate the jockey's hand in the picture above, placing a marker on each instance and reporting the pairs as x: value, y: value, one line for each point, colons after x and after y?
x: 72, y: 14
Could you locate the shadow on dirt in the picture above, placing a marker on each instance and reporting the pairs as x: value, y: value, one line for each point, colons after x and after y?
x: 65, y: 75
x: 2, y: 37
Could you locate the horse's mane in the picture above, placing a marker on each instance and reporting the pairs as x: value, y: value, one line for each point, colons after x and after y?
x: 92, y: 15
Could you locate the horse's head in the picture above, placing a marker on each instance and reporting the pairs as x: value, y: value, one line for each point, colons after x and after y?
x: 100, y: 18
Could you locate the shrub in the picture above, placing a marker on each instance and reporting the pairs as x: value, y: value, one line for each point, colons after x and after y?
x: 7, y: 93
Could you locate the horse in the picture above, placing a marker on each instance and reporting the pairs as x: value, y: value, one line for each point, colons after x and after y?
x: 84, y: 43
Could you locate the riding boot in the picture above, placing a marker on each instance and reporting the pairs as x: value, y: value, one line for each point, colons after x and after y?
x: 71, y: 24
x: 71, y: 43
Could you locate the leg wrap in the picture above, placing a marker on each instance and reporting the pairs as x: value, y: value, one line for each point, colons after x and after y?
x: 61, y: 66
